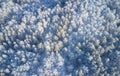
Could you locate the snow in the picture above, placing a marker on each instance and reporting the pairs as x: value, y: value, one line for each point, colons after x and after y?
x: 59, y: 38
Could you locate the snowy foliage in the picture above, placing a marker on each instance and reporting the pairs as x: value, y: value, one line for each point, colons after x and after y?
x: 59, y: 37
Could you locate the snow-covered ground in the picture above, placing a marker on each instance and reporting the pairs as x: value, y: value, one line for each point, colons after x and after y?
x: 59, y: 37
